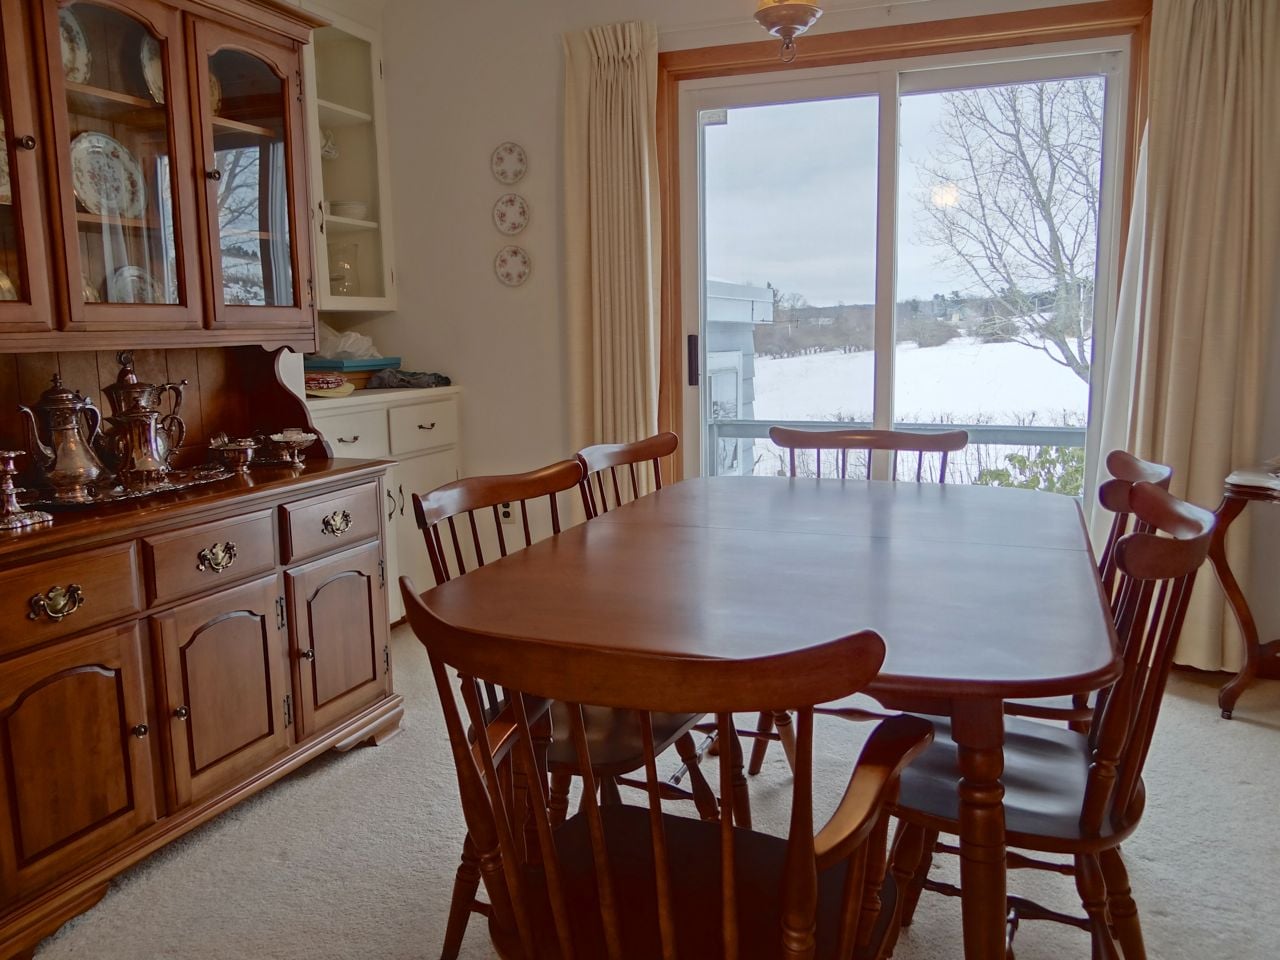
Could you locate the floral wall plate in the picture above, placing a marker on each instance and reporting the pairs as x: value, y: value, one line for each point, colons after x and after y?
x: 509, y: 162
x: 511, y: 214
x: 512, y: 265
x: 152, y: 67
x: 75, y: 49
x: 133, y: 285
x: 106, y: 177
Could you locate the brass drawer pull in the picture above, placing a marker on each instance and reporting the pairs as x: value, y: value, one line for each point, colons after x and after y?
x: 216, y: 558
x: 430, y: 426
x: 57, y: 603
x: 355, y: 439
x: 336, y: 523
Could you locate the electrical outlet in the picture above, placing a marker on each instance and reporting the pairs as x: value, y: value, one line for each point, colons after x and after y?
x: 506, y: 512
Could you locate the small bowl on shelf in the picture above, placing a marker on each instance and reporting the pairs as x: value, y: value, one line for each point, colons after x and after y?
x: 349, y: 209
x: 284, y: 449
x: 235, y: 452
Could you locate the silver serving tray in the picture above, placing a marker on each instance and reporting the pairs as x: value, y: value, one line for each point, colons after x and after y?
x: 175, y: 480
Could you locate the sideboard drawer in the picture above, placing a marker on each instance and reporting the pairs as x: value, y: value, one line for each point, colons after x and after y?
x: 423, y: 426
x: 360, y: 435
x: 320, y: 524
x: 59, y: 597
x: 205, y: 557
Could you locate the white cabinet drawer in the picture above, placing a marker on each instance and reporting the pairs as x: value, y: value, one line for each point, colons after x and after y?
x: 424, y: 426
x: 361, y: 435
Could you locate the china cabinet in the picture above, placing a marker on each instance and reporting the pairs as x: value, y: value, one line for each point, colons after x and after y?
x: 350, y: 171
x: 153, y: 181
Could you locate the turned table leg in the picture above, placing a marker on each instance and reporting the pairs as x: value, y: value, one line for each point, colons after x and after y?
x: 978, y: 730
x: 1230, y: 508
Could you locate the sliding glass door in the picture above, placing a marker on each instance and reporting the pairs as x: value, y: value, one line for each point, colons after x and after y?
x: 919, y: 245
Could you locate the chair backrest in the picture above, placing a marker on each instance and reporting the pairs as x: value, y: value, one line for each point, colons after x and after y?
x: 445, y: 506
x: 588, y: 921
x: 607, y: 458
x: 842, y: 441
x: 1157, y: 569
x: 1113, y: 495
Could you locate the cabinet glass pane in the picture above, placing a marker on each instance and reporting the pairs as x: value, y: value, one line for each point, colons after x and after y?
x: 114, y: 70
x: 11, y: 265
x: 251, y: 157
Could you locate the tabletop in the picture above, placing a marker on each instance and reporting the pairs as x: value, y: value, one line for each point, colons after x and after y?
x: 977, y: 591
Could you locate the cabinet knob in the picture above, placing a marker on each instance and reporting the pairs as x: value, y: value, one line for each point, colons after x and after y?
x: 27, y: 143
x: 141, y: 731
x: 309, y: 655
x: 182, y: 712
x: 215, y: 174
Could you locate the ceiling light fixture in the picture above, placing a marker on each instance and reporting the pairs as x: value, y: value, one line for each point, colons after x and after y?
x: 788, y: 21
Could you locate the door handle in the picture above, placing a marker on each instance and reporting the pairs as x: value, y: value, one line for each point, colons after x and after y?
x: 402, y: 499
x: 392, y: 512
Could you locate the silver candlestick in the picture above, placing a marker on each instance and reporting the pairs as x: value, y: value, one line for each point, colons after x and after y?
x: 12, y: 516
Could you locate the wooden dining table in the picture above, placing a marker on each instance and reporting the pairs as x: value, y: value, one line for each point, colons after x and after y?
x: 982, y: 595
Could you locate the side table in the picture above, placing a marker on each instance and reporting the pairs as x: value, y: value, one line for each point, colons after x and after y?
x: 1261, y: 659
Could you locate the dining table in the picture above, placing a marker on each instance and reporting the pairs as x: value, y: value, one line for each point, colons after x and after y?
x: 982, y: 595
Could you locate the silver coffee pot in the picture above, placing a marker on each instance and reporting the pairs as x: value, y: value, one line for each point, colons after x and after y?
x: 64, y: 454
x: 142, y: 439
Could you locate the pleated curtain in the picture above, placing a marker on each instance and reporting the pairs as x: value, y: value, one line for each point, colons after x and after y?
x: 612, y: 236
x: 1200, y: 288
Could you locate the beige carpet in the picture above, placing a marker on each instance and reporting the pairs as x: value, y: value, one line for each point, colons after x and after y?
x: 353, y: 857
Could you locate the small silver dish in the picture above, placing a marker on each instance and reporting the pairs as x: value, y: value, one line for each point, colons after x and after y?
x: 235, y: 452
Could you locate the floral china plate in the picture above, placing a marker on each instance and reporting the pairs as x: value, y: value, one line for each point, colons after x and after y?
x: 133, y: 285
x: 512, y: 265
x: 75, y: 49
x: 152, y: 67
x: 106, y: 177
x: 511, y: 214
x: 509, y: 162
x: 7, y: 290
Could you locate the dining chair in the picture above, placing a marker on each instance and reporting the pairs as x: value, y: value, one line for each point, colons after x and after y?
x: 602, y: 462
x: 1076, y: 710
x: 775, y: 725
x: 841, y: 442
x: 1068, y: 793
x: 633, y: 882
x: 457, y: 521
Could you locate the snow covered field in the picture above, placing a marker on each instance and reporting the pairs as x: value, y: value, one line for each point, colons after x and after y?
x: 964, y: 380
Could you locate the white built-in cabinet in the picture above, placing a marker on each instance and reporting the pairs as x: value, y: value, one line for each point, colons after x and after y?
x: 350, y: 163
x: 419, y: 430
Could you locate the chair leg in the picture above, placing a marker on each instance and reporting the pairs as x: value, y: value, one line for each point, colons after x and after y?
x: 609, y: 795
x: 758, y: 749
x: 465, y: 885
x: 703, y: 797
x: 741, y: 795
x: 1124, y: 912
x: 1093, y: 897
x: 558, y: 802
x: 918, y: 873
x: 786, y: 736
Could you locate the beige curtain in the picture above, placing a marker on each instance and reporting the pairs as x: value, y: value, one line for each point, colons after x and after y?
x: 1186, y: 383
x: 612, y: 239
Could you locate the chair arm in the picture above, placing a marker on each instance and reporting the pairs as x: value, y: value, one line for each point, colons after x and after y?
x: 891, y: 746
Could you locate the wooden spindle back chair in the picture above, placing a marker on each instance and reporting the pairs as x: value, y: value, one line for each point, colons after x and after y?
x: 622, y: 881
x: 602, y: 463
x: 1072, y: 793
x: 457, y: 520
x: 792, y: 439
x: 1113, y: 495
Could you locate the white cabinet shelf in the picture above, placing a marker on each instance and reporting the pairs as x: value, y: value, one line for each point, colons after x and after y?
x: 347, y: 124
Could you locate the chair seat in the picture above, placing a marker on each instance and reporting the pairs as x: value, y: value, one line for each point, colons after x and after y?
x: 614, y: 737
x: 1046, y: 770
x: 1051, y: 708
x: 694, y: 850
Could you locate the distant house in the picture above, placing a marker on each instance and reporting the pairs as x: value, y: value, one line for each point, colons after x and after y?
x: 733, y: 310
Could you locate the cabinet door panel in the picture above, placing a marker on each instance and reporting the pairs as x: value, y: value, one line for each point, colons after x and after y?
x: 23, y: 258
x: 418, y: 475
x: 76, y: 773
x: 250, y: 95
x: 340, y: 634
x: 225, y: 681
x: 126, y: 197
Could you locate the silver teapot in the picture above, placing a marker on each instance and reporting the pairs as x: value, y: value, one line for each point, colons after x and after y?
x: 142, y: 439
x: 64, y: 455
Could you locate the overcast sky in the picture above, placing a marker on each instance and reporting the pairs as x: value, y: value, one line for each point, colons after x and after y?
x: 791, y: 200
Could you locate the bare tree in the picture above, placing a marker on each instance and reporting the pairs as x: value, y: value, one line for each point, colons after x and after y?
x: 1011, y: 200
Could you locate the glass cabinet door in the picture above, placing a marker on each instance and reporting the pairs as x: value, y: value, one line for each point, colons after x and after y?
x: 253, y: 183
x: 120, y: 93
x: 24, y: 286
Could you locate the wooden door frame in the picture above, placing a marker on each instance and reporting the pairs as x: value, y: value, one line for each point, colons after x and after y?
x: 1111, y: 18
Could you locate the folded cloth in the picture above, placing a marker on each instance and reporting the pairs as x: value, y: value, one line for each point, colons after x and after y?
x: 387, y: 379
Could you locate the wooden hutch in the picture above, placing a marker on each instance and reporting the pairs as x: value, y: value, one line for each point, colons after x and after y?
x: 165, y: 688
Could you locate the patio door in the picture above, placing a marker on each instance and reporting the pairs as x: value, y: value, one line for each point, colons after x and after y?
x: 923, y: 245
